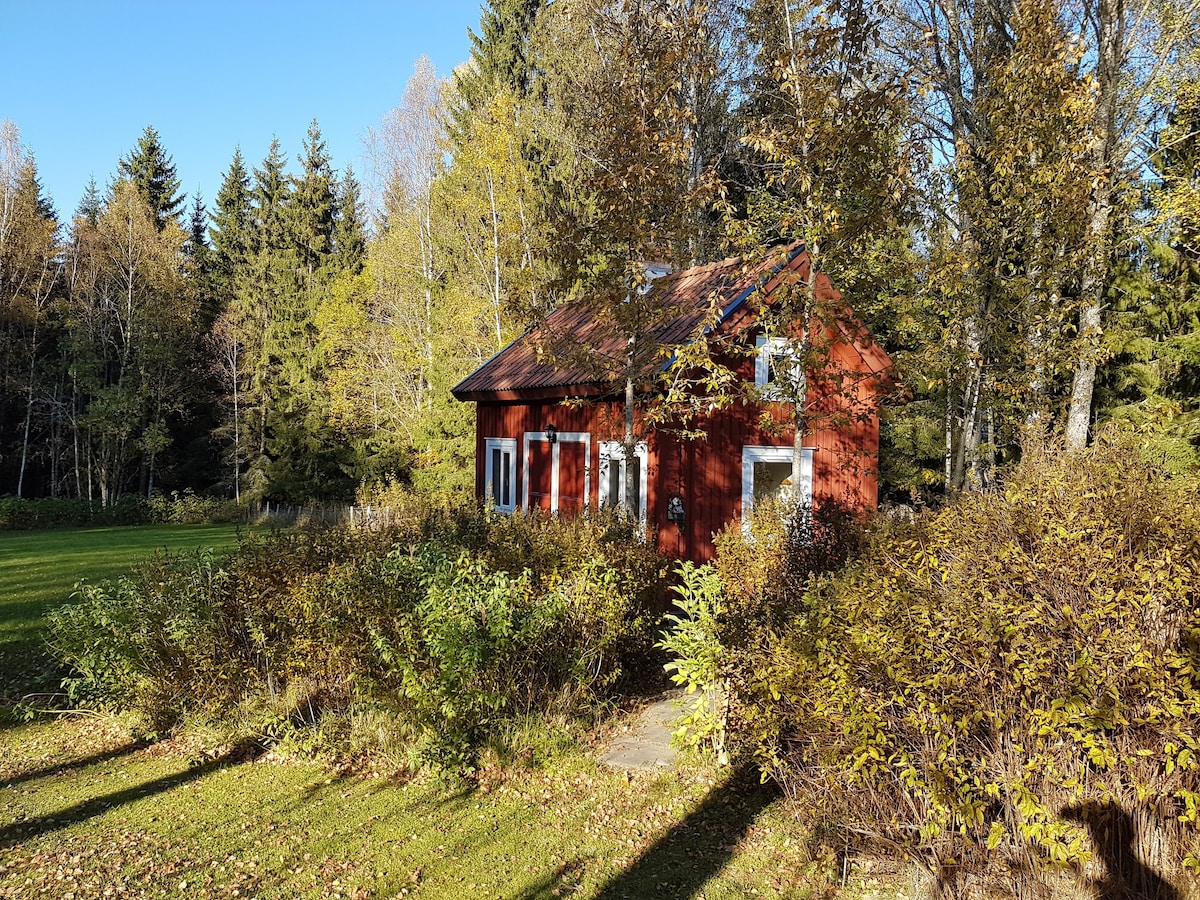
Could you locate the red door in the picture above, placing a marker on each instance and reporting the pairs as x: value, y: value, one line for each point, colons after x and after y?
x: 558, y: 479
x: 541, y: 475
x: 572, y: 464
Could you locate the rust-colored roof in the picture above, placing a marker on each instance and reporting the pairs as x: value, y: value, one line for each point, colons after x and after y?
x: 578, y: 348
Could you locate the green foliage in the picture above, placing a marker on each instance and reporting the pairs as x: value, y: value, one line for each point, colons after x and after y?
x: 987, y: 682
x: 18, y: 515
x: 438, y: 619
x: 152, y: 172
x: 187, y: 508
x: 698, y: 656
x: 149, y: 640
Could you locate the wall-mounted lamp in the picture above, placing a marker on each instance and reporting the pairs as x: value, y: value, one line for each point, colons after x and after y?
x: 551, y: 434
x: 675, y: 511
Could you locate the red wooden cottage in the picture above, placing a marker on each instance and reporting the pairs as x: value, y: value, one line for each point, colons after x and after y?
x: 535, y: 451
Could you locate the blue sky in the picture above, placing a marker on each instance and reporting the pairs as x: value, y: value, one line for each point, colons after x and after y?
x: 83, y: 80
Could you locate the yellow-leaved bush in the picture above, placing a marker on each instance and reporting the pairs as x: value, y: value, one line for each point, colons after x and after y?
x: 1008, y: 688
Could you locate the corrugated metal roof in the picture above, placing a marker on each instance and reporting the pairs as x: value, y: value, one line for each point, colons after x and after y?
x: 576, y: 349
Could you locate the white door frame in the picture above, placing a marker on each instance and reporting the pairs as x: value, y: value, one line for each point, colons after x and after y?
x: 574, y: 437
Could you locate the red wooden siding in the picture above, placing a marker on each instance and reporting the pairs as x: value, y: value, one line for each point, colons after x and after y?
x: 706, y: 473
x: 518, y: 393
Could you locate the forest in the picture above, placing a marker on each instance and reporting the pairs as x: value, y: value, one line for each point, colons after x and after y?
x: 1008, y: 194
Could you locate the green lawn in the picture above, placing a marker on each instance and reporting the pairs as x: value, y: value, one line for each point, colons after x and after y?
x: 39, y: 569
x: 82, y: 813
x: 87, y: 813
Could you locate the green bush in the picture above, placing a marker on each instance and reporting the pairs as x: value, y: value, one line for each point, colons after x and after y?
x: 154, y: 640
x: 17, y: 514
x: 180, y: 508
x: 189, y: 509
x: 1003, y: 688
x: 699, y: 656
x: 416, y: 618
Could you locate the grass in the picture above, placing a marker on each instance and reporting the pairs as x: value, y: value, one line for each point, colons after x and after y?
x: 39, y: 570
x: 87, y: 813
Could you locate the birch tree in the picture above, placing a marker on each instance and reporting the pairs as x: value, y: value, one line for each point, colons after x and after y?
x: 831, y: 173
x: 30, y: 270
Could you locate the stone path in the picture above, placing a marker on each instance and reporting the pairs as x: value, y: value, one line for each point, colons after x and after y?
x: 646, y: 746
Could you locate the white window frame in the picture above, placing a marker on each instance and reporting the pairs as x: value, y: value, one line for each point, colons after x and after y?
x: 767, y: 348
x: 504, y: 445
x: 611, y: 451
x: 564, y: 437
x: 752, y: 455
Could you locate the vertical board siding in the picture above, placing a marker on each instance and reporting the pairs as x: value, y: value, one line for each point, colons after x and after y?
x: 706, y: 472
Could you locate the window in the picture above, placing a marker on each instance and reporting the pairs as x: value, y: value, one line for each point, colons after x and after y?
x: 500, y: 473
x: 772, y: 365
x: 767, y: 472
x: 616, y: 472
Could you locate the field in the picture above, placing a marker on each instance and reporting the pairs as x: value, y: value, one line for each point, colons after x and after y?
x: 87, y: 812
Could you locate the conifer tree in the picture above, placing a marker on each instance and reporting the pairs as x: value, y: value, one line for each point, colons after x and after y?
x: 197, y: 250
x: 89, y: 205
x: 230, y: 231
x: 270, y: 196
x: 153, y: 175
x: 501, y: 59
x: 197, y: 243
x: 311, y: 205
x: 349, y: 234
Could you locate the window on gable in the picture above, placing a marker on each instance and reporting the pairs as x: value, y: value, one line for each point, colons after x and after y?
x: 616, y: 471
x: 500, y: 473
x: 773, y: 367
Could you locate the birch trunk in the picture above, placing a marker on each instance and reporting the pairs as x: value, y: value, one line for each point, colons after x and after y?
x: 1110, y: 24
x: 629, y: 501
x: 799, y: 378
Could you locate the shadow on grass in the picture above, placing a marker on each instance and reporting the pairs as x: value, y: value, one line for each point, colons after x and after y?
x: 1114, y: 833
x: 553, y: 884
x: 73, y: 765
x: 31, y: 828
x: 679, y: 863
x: 27, y: 669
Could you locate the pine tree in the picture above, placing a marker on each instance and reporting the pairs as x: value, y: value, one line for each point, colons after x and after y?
x: 153, y: 175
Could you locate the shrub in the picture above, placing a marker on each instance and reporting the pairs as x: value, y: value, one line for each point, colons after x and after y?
x: 17, y: 514
x: 698, y: 656
x: 989, y: 685
x: 307, y: 625
x: 153, y: 640
x: 189, y: 509
x: 763, y: 573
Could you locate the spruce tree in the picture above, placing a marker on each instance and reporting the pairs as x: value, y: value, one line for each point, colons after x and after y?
x: 197, y: 243
x: 230, y: 231
x: 201, y: 254
x: 349, y: 235
x: 311, y: 208
x: 153, y: 175
x: 501, y: 59
x: 89, y: 206
x: 271, y: 194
